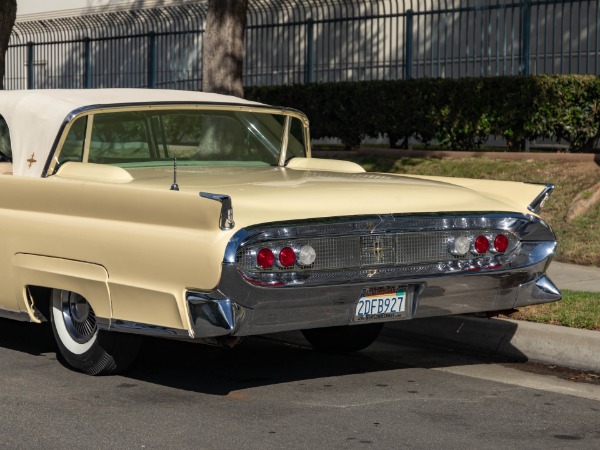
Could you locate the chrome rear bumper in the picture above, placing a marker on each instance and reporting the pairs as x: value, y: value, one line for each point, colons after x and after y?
x: 238, y: 308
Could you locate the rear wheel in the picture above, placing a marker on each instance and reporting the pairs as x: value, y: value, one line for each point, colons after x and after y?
x: 81, y: 345
x: 343, y: 339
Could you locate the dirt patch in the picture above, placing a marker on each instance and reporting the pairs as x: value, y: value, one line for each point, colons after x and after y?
x: 574, y: 375
x: 584, y: 201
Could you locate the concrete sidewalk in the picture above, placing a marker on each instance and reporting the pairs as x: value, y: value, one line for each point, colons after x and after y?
x: 548, y: 344
x: 575, y: 278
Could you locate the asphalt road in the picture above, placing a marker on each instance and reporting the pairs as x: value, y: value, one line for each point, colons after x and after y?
x: 274, y: 393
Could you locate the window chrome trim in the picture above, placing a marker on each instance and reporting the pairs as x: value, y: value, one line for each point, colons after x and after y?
x: 87, y: 143
x: 161, y: 106
x: 285, y: 138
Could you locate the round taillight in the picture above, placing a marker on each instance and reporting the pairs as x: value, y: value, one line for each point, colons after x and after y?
x: 307, y: 255
x: 460, y: 246
x: 481, y: 244
x: 500, y: 243
x: 265, y: 258
x: 287, y: 257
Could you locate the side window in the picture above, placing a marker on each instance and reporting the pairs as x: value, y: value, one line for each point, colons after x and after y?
x: 119, y: 137
x: 296, y: 144
x: 72, y: 149
x: 5, y: 148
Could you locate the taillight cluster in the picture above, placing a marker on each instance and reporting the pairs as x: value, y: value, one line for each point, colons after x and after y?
x: 399, y: 249
x: 285, y: 257
x: 480, y: 245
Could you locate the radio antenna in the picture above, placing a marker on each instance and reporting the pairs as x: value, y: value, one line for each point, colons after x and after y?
x: 175, y: 186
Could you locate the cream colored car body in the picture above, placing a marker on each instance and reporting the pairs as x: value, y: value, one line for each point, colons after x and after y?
x: 132, y: 247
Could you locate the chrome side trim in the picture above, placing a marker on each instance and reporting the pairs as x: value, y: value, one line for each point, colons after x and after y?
x: 226, y: 217
x: 21, y: 316
x: 538, y: 203
x: 125, y: 326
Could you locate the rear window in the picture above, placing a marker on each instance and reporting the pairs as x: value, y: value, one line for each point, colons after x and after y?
x: 193, y: 136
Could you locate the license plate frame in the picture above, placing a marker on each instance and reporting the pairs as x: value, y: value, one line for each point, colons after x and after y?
x: 383, y: 303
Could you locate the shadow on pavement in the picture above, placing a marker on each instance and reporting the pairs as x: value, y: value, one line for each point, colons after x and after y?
x: 260, y: 360
x: 26, y: 337
x: 286, y: 357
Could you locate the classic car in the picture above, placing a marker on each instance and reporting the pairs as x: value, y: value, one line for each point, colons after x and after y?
x: 202, y: 217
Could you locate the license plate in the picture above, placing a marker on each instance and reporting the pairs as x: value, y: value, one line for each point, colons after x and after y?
x: 381, y: 303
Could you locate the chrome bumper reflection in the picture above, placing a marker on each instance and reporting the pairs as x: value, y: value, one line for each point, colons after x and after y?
x: 211, y: 316
x: 259, y: 310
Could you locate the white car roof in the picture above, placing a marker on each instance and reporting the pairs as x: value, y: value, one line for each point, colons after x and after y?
x: 34, y: 117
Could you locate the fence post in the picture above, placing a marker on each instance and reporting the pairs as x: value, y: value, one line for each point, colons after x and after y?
x: 525, y: 68
x: 152, y: 63
x: 309, y: 69
x: 408, y: 44
x: 30, y: 65
x: 87, y: 70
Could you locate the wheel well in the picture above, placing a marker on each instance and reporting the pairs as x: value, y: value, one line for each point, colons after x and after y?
x: 42, y: 299
x: 87, y: 279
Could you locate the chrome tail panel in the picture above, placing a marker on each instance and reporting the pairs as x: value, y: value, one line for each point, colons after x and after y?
x: 375, y: 252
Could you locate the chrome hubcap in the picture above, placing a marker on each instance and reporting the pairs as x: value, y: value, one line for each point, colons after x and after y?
x: 79, y: 317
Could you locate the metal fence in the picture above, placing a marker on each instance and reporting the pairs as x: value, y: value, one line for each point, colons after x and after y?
x: 292, y: 41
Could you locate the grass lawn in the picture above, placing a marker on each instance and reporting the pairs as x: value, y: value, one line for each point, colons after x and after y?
x: 579, y: 241
x: 576, y: 309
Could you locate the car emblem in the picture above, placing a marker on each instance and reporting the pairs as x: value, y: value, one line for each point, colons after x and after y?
x: 378, y: 249
x: 31, y: 160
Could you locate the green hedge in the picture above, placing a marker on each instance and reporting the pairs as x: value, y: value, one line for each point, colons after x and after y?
x: 457, y: 113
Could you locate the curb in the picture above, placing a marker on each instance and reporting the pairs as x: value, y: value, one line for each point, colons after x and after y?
x: 547, y: 344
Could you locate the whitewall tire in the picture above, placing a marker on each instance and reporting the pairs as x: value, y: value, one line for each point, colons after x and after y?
x: 81, y: 345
